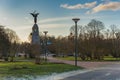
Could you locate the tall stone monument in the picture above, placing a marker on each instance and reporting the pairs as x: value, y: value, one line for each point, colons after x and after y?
x: 36, y: 48
x: 35, y: 29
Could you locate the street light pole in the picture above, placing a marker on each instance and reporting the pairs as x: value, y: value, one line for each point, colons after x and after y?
x: 45, y: 32
x: 76, y: 33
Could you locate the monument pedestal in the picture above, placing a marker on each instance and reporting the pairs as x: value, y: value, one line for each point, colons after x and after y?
x: 36, y: 47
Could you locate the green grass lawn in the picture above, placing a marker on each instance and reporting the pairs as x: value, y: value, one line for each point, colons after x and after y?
x: 29, y: 68
x: 71, y: 58
x: 110, y: 58
x: 106, y: 58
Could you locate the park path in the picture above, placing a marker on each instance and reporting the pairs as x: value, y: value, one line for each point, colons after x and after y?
x: 85, y: 64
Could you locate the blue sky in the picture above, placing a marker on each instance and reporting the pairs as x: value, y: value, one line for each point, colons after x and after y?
x: 55, y: 15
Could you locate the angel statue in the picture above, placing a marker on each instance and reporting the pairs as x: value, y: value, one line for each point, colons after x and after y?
x: 34, y: 14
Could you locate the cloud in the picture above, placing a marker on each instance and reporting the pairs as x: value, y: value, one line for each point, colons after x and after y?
x: 64, y: 19
x: 79, y: 6
x: 53, y: 25
x: 105, y: 0
x: 55, y: 19
x: 113, y: 6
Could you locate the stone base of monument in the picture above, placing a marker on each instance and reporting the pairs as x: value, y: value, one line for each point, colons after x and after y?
x: 37, y: 60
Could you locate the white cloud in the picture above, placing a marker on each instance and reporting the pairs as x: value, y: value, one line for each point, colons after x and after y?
x: 79, y: 6
x: 48, y: 26
x: 113, y: 6
x: 64, y: 19
x: 55, y: 19
x: 106, y: 1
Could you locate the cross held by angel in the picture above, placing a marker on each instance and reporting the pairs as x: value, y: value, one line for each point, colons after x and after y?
x: 34, y: 14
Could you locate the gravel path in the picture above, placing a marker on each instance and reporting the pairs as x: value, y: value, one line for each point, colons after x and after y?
x: 85, y: 64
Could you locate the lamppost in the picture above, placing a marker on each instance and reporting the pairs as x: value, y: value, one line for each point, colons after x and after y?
x: 45, y: 32
x: 76, y: 46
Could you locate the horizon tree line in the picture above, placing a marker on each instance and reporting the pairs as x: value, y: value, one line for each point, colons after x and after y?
x: 95, y: 41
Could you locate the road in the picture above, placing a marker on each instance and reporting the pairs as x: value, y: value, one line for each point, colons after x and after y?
x: 110, y: 72
x: 98, y: 70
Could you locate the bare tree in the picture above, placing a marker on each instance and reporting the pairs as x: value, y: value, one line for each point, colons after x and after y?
x: 94, y: 29
x: 5, y: 43
x: 114, y: 41
x: 14, y: 40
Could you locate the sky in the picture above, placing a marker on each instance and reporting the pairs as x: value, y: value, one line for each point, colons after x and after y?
x: 55, y: 16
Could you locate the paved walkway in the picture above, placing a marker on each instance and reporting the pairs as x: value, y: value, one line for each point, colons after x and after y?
x: 85, y: 64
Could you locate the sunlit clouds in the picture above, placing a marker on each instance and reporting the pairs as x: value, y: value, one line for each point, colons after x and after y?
x: 79, y: 6
x: 94, y: 8
x: 111, y: 6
